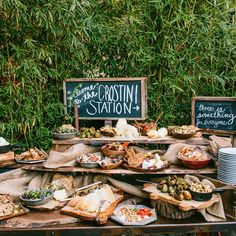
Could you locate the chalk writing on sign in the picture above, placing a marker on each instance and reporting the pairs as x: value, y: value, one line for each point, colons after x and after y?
x: 105, y: 98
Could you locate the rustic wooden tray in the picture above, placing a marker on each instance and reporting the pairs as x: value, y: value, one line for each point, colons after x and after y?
x: 185, y: 205
x: 85, y: 215
x: 15, y: 214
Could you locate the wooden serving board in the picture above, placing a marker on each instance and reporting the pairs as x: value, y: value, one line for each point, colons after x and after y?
x: 84, y: 215
x: 15, y: 214
x: 185, y: 205
x: 38, y: 219
x: 49, y: 206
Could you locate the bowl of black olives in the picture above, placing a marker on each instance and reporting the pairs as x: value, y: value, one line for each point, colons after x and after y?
x: 35, y: 197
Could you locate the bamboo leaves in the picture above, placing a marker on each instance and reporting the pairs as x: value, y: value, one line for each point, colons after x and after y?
x: 179, y: 45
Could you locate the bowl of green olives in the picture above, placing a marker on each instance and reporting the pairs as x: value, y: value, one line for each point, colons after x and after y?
x: 35, y: 197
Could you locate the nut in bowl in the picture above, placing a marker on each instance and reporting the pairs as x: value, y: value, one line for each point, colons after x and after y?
x: 35, y: 197
x: 184, y: 132
x: 203, y: 192
x: 193, y: 157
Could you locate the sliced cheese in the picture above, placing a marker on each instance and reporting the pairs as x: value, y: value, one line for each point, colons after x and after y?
x: 98, y: 198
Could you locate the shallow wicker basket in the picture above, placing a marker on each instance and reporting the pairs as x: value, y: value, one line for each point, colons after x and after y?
x: 112, y: 153
x: 171, y: 211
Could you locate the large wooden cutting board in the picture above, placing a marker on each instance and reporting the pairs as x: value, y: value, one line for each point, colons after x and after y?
x: 185, y: 205
x: 85, y: 215
x: 38, y: 219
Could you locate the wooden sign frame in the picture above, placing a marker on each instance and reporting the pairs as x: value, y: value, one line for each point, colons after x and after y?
x: 212, y: 99
x: 143, y: 95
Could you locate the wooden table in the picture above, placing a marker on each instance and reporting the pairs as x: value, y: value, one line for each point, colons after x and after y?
x: 194, y: 224
x: 61, y: 145
x: 173, y: 169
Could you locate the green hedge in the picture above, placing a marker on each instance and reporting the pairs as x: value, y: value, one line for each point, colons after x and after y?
x: 185, y: 48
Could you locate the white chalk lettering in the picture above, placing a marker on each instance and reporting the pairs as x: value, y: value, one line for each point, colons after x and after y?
x: 214, y: 116
x: 96, y: 108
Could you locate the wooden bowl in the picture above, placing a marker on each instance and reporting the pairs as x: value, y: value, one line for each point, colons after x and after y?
x: 183, y: 136
x: 195, y: 164
x: 112, y: 153
x: 111, y: 166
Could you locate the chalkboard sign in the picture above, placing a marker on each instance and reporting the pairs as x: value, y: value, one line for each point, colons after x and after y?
x: 110, y: 98
x: 214, y: 113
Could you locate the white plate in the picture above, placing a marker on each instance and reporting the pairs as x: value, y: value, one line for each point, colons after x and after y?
x: 120, y: 220
x: 230, y: 181
x: 226, y: 177
x: 230, y: 151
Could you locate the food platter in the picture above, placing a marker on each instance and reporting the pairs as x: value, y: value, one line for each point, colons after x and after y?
x: 33, y: 155
x: 139, y: 169
x: 29, y: 161
x: 90, y: 160
x: 9, y: 209
x: 94, y: 202
x: 22, y: 211
x: 123, y: 212
x: 110, y: 164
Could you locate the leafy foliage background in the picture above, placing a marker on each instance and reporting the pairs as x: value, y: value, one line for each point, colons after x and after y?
x: 184, y: 47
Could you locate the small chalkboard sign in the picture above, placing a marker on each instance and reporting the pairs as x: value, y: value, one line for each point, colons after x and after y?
x: 214, y: 113
x: 107, y: 98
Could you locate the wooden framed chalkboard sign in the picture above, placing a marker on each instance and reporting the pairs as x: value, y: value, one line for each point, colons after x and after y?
x: 215, y: 114
x: 107, y: 98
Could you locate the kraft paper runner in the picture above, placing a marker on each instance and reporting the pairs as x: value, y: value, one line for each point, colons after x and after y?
x: 172, y: 151
x: 67, y: 158
x: 17, y: 181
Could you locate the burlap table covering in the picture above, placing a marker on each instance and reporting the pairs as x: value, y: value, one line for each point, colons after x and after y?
x: 216, y: 211
x: 67, y: 158
x: 17, y: 181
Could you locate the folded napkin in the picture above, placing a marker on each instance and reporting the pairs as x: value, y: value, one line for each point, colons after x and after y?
x: 216, y: 211
x: 67, y: 158
x: 172, y: 151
